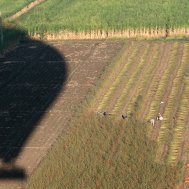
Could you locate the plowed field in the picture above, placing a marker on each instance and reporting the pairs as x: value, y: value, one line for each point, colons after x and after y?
x: 41, y: 86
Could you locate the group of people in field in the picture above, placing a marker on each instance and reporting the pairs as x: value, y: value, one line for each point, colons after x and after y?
x: 158, y: 118
x: 152, y: 121
x: 107, y: 114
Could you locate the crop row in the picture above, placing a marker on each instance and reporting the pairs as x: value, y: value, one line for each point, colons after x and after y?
x: 111, y: 73
x: 152, y: 84
x: 168, y: 113
x: 172, y: 95
x: 160, y: 86
x: 145, y: 79
x: 131, y: 82
x: 124, y: 73
x: 181, y: 114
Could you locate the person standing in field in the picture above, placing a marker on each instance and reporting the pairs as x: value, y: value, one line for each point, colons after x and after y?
x: 159, y: 117
x: 152, y: 121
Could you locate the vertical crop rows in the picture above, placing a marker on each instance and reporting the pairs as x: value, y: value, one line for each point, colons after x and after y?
x: 122, y: 75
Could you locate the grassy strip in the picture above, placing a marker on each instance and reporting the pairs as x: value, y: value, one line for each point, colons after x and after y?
x: 82, y: 156
x: 81, y: 15
x: 10, y: 7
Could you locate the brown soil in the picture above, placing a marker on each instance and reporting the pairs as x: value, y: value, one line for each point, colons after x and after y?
x: 84, y: 62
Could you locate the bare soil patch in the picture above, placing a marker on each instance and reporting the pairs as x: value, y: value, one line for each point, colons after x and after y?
x: 25, y: 75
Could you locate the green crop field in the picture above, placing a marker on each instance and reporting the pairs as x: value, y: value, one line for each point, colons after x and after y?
x: 148, y: 77
x: 82, y: 15
x: 9, y: 7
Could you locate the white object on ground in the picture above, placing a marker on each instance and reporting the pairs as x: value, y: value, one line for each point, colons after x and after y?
x: 160, y: 118
x: 152, y: 121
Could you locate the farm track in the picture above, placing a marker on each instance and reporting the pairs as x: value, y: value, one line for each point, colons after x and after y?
x: 25, y: 9
x: 82, y: 59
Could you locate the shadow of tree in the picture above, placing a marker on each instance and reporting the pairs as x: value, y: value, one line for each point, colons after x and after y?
x: 31, y: 77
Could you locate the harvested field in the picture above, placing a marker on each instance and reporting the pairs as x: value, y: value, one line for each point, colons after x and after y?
x: 41, y: 87
x: 107, y: 151
x: 150, y: 78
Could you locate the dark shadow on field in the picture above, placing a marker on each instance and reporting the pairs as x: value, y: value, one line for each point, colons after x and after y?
x: 31, y: 77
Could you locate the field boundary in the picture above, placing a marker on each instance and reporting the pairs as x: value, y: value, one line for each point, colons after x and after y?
x: 102, y: 34
x: 24, y: 10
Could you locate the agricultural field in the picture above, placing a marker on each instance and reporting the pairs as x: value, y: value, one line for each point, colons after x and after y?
x: 81, y: 15
x: 148, y: 77
x: 9, y: 7
x: 41, y: 86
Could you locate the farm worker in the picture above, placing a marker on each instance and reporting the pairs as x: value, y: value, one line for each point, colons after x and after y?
x: 124, y: 116
x: 105, y: 114
x: 159, y: 117
x: 152, y: 121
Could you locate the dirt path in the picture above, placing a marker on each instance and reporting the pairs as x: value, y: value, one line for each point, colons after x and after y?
x: 84, y: 61
x: 24, y: 10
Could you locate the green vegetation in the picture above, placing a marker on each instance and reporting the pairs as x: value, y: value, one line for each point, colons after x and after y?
x: 82, y: 15
x: 9, y: 7
x: 98, y: 152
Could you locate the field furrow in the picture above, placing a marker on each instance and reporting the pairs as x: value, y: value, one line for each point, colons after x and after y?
x: 136, y: 93
x: 172, y: 104
x: 123, y: 75
x: 185, y: 154
x: 165, y: 88
x: 152, y: 88
x: 129, y: 84
x: 112, y: 73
